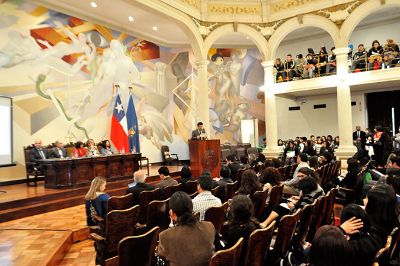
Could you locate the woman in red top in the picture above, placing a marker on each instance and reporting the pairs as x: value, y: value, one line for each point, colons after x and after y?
x: 79, y: 150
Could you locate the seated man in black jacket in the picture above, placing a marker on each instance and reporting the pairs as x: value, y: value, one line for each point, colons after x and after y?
x: 233, y: 165
x: 138, y: 186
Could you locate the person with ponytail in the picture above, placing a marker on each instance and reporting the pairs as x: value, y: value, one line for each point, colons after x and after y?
x: 189, y: 241
x: 96, y: 201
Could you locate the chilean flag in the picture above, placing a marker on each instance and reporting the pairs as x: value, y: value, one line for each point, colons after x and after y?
x: 119, y: 131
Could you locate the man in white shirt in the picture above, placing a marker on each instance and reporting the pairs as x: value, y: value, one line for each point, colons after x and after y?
x: 205, y: 199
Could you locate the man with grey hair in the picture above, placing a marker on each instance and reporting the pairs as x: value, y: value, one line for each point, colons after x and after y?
x: 138, y: 186
x: 58, y: 151
x: 37, y: 153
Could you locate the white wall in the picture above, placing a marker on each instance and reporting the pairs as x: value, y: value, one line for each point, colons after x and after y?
x: 360, y: 35
x: 308, y: 121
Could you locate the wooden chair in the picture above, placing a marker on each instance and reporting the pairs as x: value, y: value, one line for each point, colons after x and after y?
x: 216, y: 215
x: 136, y: 250
x: 120, y: 202
x: 145, y: 197
x: 239, y: 175
x: 286, y: 229
x: 144, y: 159
x: 257, y: 245
x: 317, y: 217
x: 170, y: 190
x: 216, y: 192
x: 286, y: 173
x: 33, y: 171
x: 394, y: 246
x: 229, y: 256
x: 230, y: 190
x: 258, y: 199
x: 328, y: 210
x: 190, y: 187
x: 158, y: 214
x: 382, y: 256
x: 119, y: 224
x: 167, y: 157
x: 274, y: 198
x: 304, y: 224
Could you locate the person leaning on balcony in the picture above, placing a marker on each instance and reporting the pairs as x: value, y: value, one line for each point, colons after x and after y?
x: 359, y: 58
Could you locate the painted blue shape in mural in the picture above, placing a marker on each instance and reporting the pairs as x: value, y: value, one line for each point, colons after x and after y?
x: 133, y: 126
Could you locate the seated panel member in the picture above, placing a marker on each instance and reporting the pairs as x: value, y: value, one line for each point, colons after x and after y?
x: 106, y: 148
x: 199, y: 133
x: 79, y: 150
x: 58, y: 151
x: 37, y: 153
x: 92, y: 149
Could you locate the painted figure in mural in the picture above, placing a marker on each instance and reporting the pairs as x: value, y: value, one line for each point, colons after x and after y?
x: 178, y: 68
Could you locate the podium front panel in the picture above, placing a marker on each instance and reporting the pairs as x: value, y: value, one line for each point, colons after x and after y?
x: 205, y: 155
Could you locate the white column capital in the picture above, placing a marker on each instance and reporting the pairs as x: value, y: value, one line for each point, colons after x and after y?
x: 269, y: 63
x: 202, y: 63
x: 341, y: 51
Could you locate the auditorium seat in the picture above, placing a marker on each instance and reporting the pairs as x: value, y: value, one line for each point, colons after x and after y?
x: 231, y: 189
x: 304, y: 224
x: 229, y: 256
x: 257, y: 246
x: 190, y: 187
x: 136, y: 250
x: 317, y: 217
x: 216, y: 215
x: 328, y: 210
x: 258, y: 199
x: 274, y: 198
x: 120, y: 202
x: 158, y: 214
x: 145, y: 197
x: 382, y: 256
x: 170, y: 190
x: 118, y: 224
x: 286, y: 229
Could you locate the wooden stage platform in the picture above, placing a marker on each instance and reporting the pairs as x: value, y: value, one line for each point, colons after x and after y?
x: 20, y: 201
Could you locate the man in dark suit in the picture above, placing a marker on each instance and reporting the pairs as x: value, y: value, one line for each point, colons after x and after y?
x: 58, y: 151
x: 359, y: 138
x: 233, y: 165
x: 138, y: 186
x: 199, y: 133
x: 37, y: 153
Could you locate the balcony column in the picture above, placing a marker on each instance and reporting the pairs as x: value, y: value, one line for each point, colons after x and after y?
x: 271, y: 121
x: 346, y: 148
x: 203, y: 103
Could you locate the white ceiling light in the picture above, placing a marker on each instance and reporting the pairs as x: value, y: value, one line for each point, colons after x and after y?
x: 93, y: 4
x: 155, y: 28
x: 131, y: 19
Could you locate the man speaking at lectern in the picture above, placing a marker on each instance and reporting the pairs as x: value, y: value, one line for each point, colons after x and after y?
x: 199, y: 133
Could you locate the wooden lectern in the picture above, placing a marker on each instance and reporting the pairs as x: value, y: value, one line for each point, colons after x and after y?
x: 205, y: 155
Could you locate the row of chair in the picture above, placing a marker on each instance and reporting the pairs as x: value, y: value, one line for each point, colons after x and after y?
x: 329, y: 171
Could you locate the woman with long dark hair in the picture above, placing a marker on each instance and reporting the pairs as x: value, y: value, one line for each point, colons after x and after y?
x: 189, y: 242
x: 249, y: 183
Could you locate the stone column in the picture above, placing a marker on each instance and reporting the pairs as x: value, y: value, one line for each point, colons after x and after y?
x: 203, y: 102
x: 346, y: 148
x: 271, y: 121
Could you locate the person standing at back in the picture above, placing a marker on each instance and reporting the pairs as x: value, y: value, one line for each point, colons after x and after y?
x: 199, y: 133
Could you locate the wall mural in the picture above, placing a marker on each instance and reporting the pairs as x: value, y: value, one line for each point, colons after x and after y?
x: 64, y: 75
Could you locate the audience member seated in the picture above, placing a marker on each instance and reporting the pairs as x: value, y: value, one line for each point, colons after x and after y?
x: 79, y: 151
x: 106, y: 148
x: 290, y: 185
x: 189, y: 242
x: 58, y: 151
x: 289, y: 66
x: 326, y: 158
x: 260, y: 159
x: 96, y: 201
x: 375, y: 56
x: 233, y: 165
x: 225, y: 178
x: 244, y: 161
x: 290, y: 151
x: 322, y: 61
x: 186, y: 174
x: 359, y: 59
x: 270, y: 177
x: 37, y: 153
x: 394, y: 181
x: 300, y: 65
x: 310, y: 67
x: 138, y: 186
x: 330, y: 248
x: 92, y: 150
x: 280, y: 73
x: 241, y: 221
x: 309, y: 192
x: 249, y: 183
x: 313, y: 162
x: 252, y: 159
x: 351, y: 180
x: 331, y: 64
x: 382, y: 211
x: 205, y: 199
x: 166, y: 179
